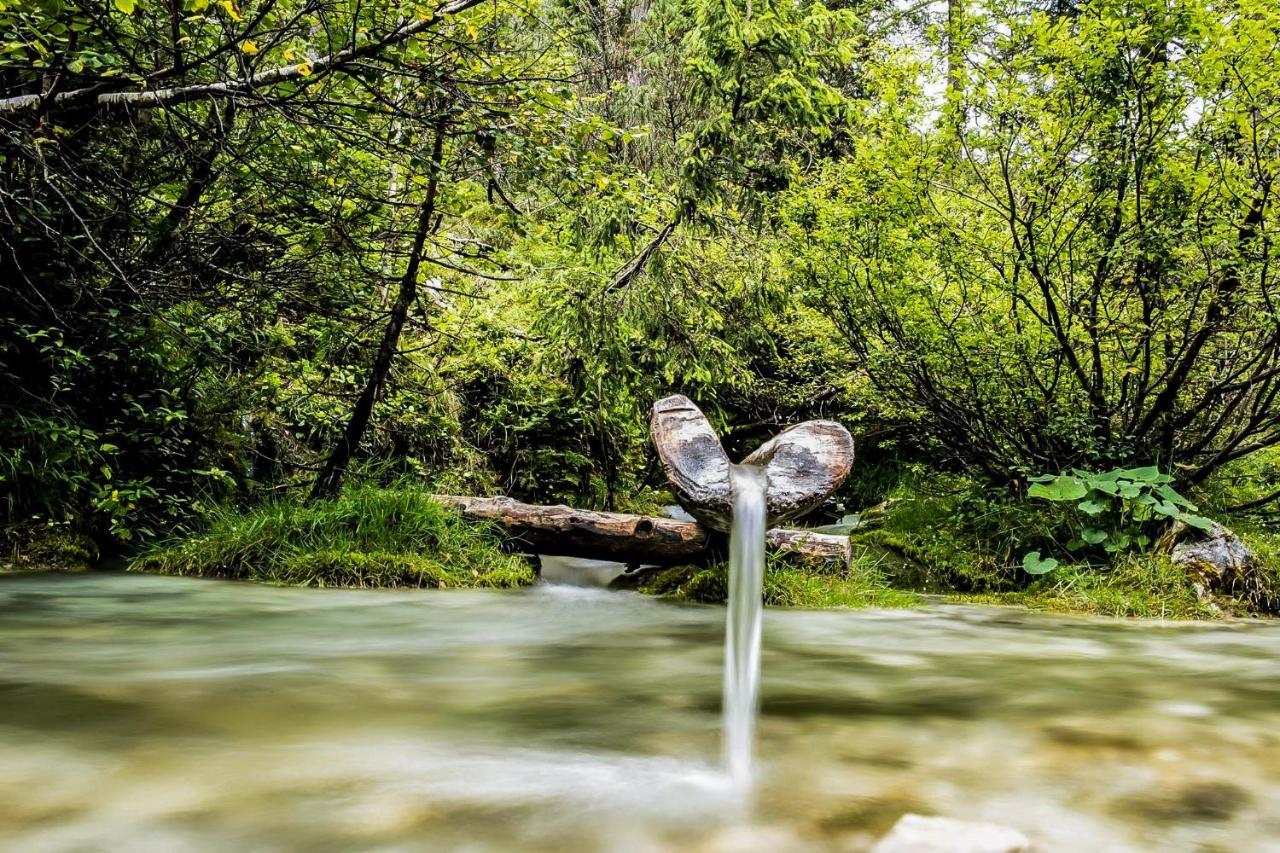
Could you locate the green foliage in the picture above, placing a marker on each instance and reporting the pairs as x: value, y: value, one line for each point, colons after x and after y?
x: 366, y: 537
x: 1059, y: 264
x: 1136, y: 585
x: 1058, y: 273
x: 1116, y: 511
x: 937, y: 532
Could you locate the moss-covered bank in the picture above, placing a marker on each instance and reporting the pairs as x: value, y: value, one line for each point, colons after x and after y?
x: 946, y: 537
x: 954, y: 542
x: 367, y: 537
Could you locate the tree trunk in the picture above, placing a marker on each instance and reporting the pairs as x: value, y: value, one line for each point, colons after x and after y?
x: 335, y: 466
x: 568, y: 532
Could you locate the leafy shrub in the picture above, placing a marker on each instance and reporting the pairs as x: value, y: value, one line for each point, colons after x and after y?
x: 1114, y: 511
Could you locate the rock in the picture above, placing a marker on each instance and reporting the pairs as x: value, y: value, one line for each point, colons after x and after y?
x: 1220, y: 552
x: 915, y: 833
x: 1219, y: 563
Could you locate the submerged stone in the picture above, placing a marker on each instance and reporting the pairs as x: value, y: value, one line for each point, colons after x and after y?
x: 919, y: 834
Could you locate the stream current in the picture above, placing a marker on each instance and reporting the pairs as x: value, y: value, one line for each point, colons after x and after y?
x: 160, y: 714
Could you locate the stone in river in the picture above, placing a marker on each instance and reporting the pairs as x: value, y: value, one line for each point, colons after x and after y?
x: 915, y: 833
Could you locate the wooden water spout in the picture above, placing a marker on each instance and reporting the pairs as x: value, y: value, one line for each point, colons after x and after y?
x: 805, y: 463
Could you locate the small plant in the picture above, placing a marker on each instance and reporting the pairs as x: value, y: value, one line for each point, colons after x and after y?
x: 1113, y: 510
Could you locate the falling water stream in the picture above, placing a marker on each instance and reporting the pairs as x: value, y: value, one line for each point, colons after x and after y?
x: 743, y: 620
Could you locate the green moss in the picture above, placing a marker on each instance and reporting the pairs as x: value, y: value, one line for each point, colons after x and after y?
x: 787, y: 583
x: 368, y: 537
x: 1145, y: 586
x: 43, y: 546
x: 709, y: 585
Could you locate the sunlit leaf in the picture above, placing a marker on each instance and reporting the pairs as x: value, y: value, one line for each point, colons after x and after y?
x: 1033, y: 564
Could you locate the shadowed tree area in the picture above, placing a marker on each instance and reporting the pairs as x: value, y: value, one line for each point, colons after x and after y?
x: 255, y: 255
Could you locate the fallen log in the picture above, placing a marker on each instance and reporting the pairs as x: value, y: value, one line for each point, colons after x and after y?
x: 634, y: 539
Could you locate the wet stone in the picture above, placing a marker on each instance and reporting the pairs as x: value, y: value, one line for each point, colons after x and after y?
x: 1200, y: 801
x: 918, y: 834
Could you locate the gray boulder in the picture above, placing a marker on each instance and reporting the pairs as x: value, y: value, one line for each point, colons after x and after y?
x: 1219, y: 553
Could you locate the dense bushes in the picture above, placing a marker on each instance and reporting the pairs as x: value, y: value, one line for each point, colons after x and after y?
x: 513, y: 227
x: 1074, y: 272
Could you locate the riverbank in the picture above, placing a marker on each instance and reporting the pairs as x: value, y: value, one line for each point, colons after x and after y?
x: 366, y: 537
x: 911, y: 549
x: 961, y: 545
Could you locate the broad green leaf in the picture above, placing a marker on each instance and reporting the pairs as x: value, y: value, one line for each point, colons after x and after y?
x: 1093, y: 537
x: 1059, y: 489
x: 1167, y: 492
x: 1196, y: 521
x: 1146, y: 474
x: 1091, y: 507
x: 1033, y: 564
x: 126, y: 6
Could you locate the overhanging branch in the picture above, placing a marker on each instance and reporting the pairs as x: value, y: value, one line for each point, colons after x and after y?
x: 96, y: 97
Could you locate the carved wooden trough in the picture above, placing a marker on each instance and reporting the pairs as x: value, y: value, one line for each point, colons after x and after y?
x: 804, y: 463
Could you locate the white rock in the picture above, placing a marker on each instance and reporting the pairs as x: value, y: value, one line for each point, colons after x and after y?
x: 915, y: 833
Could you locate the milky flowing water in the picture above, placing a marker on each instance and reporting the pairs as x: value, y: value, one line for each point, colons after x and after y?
x: 152, y: 715
x: 743, y: 620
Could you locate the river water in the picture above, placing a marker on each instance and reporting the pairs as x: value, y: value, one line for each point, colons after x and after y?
x: 163, y: 714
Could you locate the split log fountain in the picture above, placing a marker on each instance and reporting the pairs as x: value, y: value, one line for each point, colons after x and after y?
x: 805, y: 463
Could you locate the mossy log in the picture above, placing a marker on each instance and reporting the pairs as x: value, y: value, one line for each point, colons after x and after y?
x: 804, y: 463
x: 625, y: 538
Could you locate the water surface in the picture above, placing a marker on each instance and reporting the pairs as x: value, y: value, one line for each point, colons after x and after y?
x: 163, y: 714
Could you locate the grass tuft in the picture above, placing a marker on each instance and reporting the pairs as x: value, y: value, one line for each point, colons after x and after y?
x: 367, y: 537
x: 1144, y: 586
